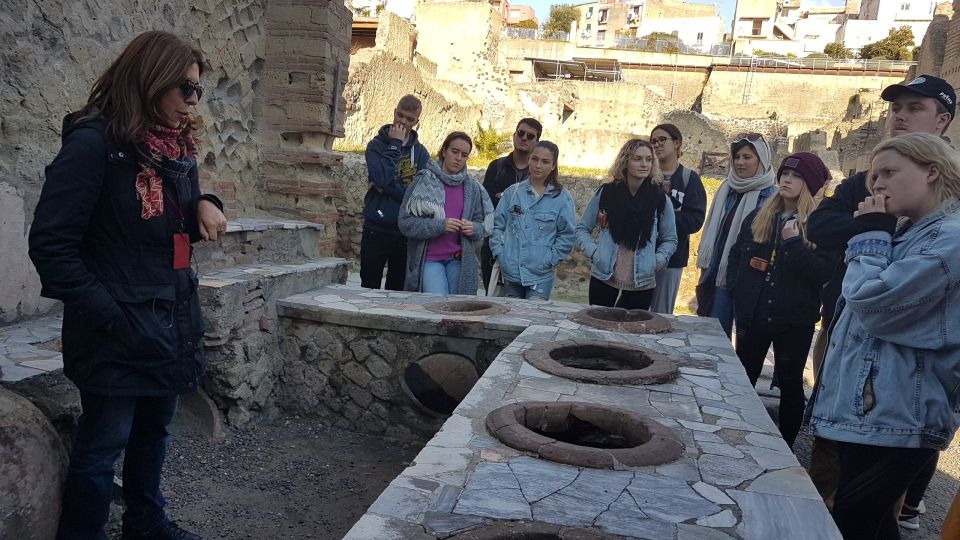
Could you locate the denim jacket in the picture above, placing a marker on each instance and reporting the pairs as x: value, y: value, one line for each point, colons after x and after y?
x: 892, y: 372
x: 532, y: 234
x: 603, y: 251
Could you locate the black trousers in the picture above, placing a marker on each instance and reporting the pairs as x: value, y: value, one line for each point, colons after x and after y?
x: 486, y: 263
x: 791, y: 343
x: 601, y: 294
x: 379, y: 249
x: 872, y: 480
x: 919, y: 485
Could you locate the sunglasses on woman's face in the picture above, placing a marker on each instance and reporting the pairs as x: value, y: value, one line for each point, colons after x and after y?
x: 752, y: 137
x: 188, y: 88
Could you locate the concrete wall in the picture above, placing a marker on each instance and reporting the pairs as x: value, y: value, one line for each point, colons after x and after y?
x: 724, y: 96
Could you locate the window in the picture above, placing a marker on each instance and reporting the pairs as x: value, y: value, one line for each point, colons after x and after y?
x: 601, y: 35
x: 587, y: 29
x: 699, y: 38
x: 589, y: 12
x: 904, y: 7
x: 757, y: 27
x: 602, y: 17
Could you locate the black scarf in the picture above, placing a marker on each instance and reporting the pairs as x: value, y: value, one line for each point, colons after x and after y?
x: 631, y: 217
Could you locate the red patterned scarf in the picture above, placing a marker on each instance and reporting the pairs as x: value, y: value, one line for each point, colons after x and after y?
x: 158, y: 145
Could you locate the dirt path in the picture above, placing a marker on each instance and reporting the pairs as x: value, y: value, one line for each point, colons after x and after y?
x: 292, y: 479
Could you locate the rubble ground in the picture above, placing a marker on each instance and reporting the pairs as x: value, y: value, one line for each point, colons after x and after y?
x: 293, y: 478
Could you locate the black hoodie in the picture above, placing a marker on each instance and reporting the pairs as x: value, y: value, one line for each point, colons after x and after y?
x: 391, y: 166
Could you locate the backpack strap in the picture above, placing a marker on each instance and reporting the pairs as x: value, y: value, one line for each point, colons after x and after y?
x: 684, y: 178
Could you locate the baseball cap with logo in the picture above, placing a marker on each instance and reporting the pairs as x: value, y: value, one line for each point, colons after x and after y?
x: 927, y: 86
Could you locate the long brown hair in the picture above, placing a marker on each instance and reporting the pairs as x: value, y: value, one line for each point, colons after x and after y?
x: 553, y: 177
x: 128, y: 93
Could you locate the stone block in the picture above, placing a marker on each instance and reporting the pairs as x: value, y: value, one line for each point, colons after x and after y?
x: 356, y: 373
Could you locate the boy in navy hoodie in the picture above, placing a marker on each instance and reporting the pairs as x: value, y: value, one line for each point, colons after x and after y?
x: 393, y: 158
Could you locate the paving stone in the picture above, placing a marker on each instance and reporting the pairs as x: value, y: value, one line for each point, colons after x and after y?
x: 674, y: 389
x: 796, y: 519
x: 623, y: 517
x: 529, y: 394
x: 493, y: 503
x: 552, y: 384
x: 704, y: 382
x: 720, y: 449
x: 723, y: 413
x: 703, y: 436
x: 699, y: 426
x: 668, y: 499
x: 712, y: 494
x: 399, y: 502
x: 446, y: 523
x: 17, y: 373
x: 445, y: 465
x: 767, y: 441
x: 492, y: 476
x: 582, y: 501
x: 695, y: 532
x: 696, y: 371
x: 742, y: 426
x: 720, y: 520
x: 725, y: 471
x: 704, y: 393
x: 681, y: 469
x: 770, y: 459
x: 679, y: 411
x: 792, y: 482
x: 539, y: 478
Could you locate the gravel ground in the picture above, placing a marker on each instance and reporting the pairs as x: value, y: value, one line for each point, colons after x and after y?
x: 291, y: 479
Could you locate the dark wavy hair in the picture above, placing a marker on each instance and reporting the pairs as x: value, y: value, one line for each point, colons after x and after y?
x: 129, y: 92
x: 449, y: 140
x: 553, y: 177
x: 674, y: 133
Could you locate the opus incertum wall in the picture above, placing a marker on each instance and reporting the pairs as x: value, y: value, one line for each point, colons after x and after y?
x: 728, y: 473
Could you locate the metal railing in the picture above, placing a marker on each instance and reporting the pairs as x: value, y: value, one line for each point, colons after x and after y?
x: 821, y: 63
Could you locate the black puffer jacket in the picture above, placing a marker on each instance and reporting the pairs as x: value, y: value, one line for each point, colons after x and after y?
x: 131, y: 323
x: 788, y: 292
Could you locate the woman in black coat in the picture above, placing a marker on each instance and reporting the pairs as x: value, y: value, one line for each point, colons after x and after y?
x: 775, y: 277
x: 111, y: 238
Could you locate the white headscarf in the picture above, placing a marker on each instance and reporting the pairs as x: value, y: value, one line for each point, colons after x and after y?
x: 751, y: 188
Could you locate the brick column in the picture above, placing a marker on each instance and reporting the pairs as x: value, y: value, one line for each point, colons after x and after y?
x: 307, y: 61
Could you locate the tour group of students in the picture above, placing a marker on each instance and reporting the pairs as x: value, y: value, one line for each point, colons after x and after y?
x: 881, y: 259
x: 439, y: 231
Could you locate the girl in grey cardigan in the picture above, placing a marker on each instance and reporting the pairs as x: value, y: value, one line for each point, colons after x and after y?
x: 445, y: 215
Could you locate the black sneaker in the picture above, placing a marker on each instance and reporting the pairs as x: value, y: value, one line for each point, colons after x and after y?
x: 168, y: 530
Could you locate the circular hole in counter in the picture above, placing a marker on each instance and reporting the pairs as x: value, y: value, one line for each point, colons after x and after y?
x: 466, y: 307
x: 601, y: 362
x: 631, y: 321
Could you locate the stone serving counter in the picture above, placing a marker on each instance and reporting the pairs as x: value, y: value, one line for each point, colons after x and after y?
x: 735, y: 477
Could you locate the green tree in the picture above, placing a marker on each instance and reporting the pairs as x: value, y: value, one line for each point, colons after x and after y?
x: 896, y: 46
x: 817, y: 55
x: 528, y: 23
x: 668, y: 45
x: 838, y: 51
x: 488, y: 143
x: 561, y: 15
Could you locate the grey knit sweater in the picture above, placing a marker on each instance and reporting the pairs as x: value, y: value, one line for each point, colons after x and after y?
x: 420, y: 230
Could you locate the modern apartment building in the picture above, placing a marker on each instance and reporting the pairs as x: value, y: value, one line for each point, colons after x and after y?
x: 697, y: 26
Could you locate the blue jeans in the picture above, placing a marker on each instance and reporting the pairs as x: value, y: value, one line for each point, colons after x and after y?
x: 537, y: 291
x: 440, y: 276
x: 109, y: 425
x: 723, y: 309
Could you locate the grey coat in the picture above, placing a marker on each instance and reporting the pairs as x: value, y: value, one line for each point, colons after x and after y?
x: 420, y: 230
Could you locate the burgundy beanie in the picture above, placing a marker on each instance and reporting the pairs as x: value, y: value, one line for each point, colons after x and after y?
x: 815, y: 174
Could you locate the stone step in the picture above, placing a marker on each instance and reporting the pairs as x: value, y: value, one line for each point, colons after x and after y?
x: 255, y: 240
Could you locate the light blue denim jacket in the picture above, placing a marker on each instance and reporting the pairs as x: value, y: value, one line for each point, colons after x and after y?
x: 892, y: 371
x: 647, y: 259
x: 531, y: 241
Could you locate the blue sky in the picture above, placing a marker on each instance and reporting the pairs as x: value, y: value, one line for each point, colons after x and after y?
x: 542, y: 7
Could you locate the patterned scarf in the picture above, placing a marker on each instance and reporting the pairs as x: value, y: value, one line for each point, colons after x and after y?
x: 428, y: 196
x: 168, y: 151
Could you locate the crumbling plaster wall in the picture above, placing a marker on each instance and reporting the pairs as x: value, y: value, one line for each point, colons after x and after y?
x: 50, y: 55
